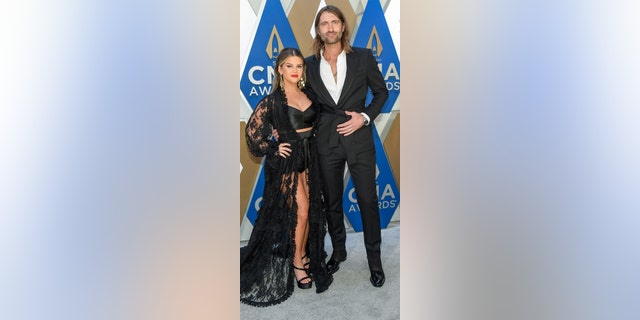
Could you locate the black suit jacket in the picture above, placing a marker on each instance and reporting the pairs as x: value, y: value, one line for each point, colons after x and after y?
x: 362, y: 73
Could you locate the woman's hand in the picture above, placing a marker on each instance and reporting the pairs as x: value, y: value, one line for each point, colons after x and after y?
x: 284, y: 150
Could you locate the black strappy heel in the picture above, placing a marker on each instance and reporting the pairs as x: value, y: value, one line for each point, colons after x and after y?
x: 301, y: 284
x: 305, y: 265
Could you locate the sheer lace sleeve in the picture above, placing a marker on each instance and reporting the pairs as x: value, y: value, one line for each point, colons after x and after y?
x: 259, y: 129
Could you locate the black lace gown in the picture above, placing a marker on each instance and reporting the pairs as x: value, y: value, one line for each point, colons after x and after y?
x: 266, y: 272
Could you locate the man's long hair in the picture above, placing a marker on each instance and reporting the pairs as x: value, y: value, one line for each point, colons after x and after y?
x: 318, y: 44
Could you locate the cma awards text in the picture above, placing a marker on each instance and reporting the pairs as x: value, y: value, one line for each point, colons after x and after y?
x: 391, y: 71
x: 258, y: 89
x: 258, y: 75
x: 386, y: 200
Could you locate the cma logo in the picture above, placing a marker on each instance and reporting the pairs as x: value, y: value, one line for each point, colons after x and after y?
x: 391, y: 75
x: 257, y: 204
x: 386, y: 200
x: 260, y: 76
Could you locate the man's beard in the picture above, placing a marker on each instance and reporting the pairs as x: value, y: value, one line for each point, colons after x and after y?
x: 338, y: 39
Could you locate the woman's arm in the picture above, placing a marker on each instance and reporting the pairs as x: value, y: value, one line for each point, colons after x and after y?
x: 258, y: 131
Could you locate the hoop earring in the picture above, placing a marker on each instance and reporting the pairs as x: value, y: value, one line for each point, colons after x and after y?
x: 282, y: 83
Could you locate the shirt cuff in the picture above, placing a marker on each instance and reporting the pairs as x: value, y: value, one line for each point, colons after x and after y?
x: 367, y: 120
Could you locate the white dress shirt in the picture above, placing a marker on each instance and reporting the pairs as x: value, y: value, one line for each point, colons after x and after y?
x: 334, y: 87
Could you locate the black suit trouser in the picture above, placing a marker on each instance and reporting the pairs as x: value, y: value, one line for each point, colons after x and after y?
x: 363, y: 173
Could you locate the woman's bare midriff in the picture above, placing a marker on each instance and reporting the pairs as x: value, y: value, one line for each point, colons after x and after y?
x: 304, y: 129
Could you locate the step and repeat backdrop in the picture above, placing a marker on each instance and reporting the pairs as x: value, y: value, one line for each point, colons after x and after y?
x: 266, y: 26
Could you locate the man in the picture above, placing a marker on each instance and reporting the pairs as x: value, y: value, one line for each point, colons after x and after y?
x: 341, y: 75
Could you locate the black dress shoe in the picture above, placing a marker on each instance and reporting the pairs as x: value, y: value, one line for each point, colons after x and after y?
x: 334, y: 264
x: 377, y: 278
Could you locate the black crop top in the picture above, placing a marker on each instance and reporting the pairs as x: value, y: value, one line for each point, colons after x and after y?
x: 300, y: 119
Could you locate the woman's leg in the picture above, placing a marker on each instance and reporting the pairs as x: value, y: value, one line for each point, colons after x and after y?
x: 305, y: 256
x: 301, y: 233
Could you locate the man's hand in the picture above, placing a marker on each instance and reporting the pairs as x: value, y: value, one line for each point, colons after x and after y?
x: 350, y: 126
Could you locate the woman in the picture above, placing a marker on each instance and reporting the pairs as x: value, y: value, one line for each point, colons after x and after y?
x: 287, y: 241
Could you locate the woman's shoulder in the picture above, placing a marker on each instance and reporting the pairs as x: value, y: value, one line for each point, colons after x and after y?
x: 310, y: 93
x: 270, y: 99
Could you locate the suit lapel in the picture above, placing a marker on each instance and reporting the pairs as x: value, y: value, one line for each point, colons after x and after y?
x: 351, y: 73
x: 320, y: 89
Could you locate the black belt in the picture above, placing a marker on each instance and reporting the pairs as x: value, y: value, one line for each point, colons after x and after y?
x: 305, y: 148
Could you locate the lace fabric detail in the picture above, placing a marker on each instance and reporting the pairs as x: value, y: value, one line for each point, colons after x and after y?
x: 266, y: 275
